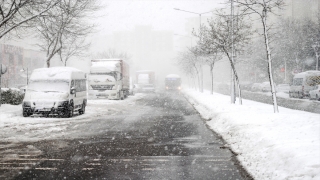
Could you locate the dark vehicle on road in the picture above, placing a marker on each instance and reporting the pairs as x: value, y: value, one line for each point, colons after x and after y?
x: 173, y: 82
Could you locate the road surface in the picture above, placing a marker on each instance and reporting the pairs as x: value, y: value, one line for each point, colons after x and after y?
x: 157, y: 136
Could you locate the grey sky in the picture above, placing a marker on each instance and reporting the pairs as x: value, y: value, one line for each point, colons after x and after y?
x: 124, y: 15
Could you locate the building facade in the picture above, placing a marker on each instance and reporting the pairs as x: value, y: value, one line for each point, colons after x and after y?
x: 18, y: 61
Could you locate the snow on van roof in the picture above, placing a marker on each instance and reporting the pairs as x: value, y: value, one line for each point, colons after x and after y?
x: 302, y: 74
x: 172, y: 76
x: 53, y: 73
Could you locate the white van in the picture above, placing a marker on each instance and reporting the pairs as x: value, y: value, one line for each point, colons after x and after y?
x: 56, y: 91
x: 304, y: 82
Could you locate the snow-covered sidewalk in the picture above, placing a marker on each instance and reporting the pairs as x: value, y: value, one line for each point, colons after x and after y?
x: 270, y: 146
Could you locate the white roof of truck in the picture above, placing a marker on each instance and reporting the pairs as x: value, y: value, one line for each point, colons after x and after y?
x: 172, y: 76
x: 53, y: 73
x: 104, y: 66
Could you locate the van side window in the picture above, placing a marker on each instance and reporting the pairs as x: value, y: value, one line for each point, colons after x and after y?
x: 80, y: 85
x: 313, y: 80
x: 297, y: 81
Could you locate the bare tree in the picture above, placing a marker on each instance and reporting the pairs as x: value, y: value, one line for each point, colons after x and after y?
x: 74, y: 46
x: 263, y: 8
x: 199, y: 62
x: 188, y: 63
x: 217, y: 37
x: 211, y: 56
x: 64, y: 28
x: 15, y: 13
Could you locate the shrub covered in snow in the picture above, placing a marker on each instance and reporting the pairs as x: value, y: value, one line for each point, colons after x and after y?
x: 11, y: 96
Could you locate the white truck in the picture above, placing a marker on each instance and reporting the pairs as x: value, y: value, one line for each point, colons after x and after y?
x: 109, y: 78
x: 145, y: 80
x: 56, y: 91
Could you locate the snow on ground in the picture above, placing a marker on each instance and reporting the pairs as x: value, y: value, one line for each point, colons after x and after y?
x: 15, y: 128
x: 270, y: 146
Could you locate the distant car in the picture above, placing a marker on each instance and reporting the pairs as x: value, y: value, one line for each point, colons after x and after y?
x: 256, y: 87
x: 283, y: 88
x: 315, y: 93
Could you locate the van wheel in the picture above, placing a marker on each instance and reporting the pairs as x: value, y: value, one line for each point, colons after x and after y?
x: 121, y: 95
x: 70, y: 112
x: 25, y: 114
x: 83, y: 108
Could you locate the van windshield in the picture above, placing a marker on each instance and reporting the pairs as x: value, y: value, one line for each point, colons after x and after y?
x: 297, y: 81
x: 49, y: 86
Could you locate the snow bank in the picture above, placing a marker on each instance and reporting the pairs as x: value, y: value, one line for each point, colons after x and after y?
x: 269, y: 146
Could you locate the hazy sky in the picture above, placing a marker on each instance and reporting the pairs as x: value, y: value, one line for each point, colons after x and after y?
x: 121, y: 15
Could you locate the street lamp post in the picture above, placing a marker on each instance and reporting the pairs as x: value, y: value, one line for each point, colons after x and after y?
x: 193, y: 13
x: 315, y: 48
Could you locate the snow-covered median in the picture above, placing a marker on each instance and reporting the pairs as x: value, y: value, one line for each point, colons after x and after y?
x: 270, y: 146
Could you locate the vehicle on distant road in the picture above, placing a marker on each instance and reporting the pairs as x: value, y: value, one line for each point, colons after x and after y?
x: 173, y: 82
x: 56, y: 91
x: 315, y: 93
x: 304, y: 82
x: 109, y: 78
x: 283, y: 88
x: 256, y: 87
x: 146, y: 80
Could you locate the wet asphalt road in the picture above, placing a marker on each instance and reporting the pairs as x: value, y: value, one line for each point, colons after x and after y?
x: 161, y: 137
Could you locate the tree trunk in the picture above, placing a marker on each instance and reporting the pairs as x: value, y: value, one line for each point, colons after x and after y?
x: 198, y: 76
x: 211, y: 73
x: 235, y: 75
x: 266, y: 38
x: 201, y: 78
